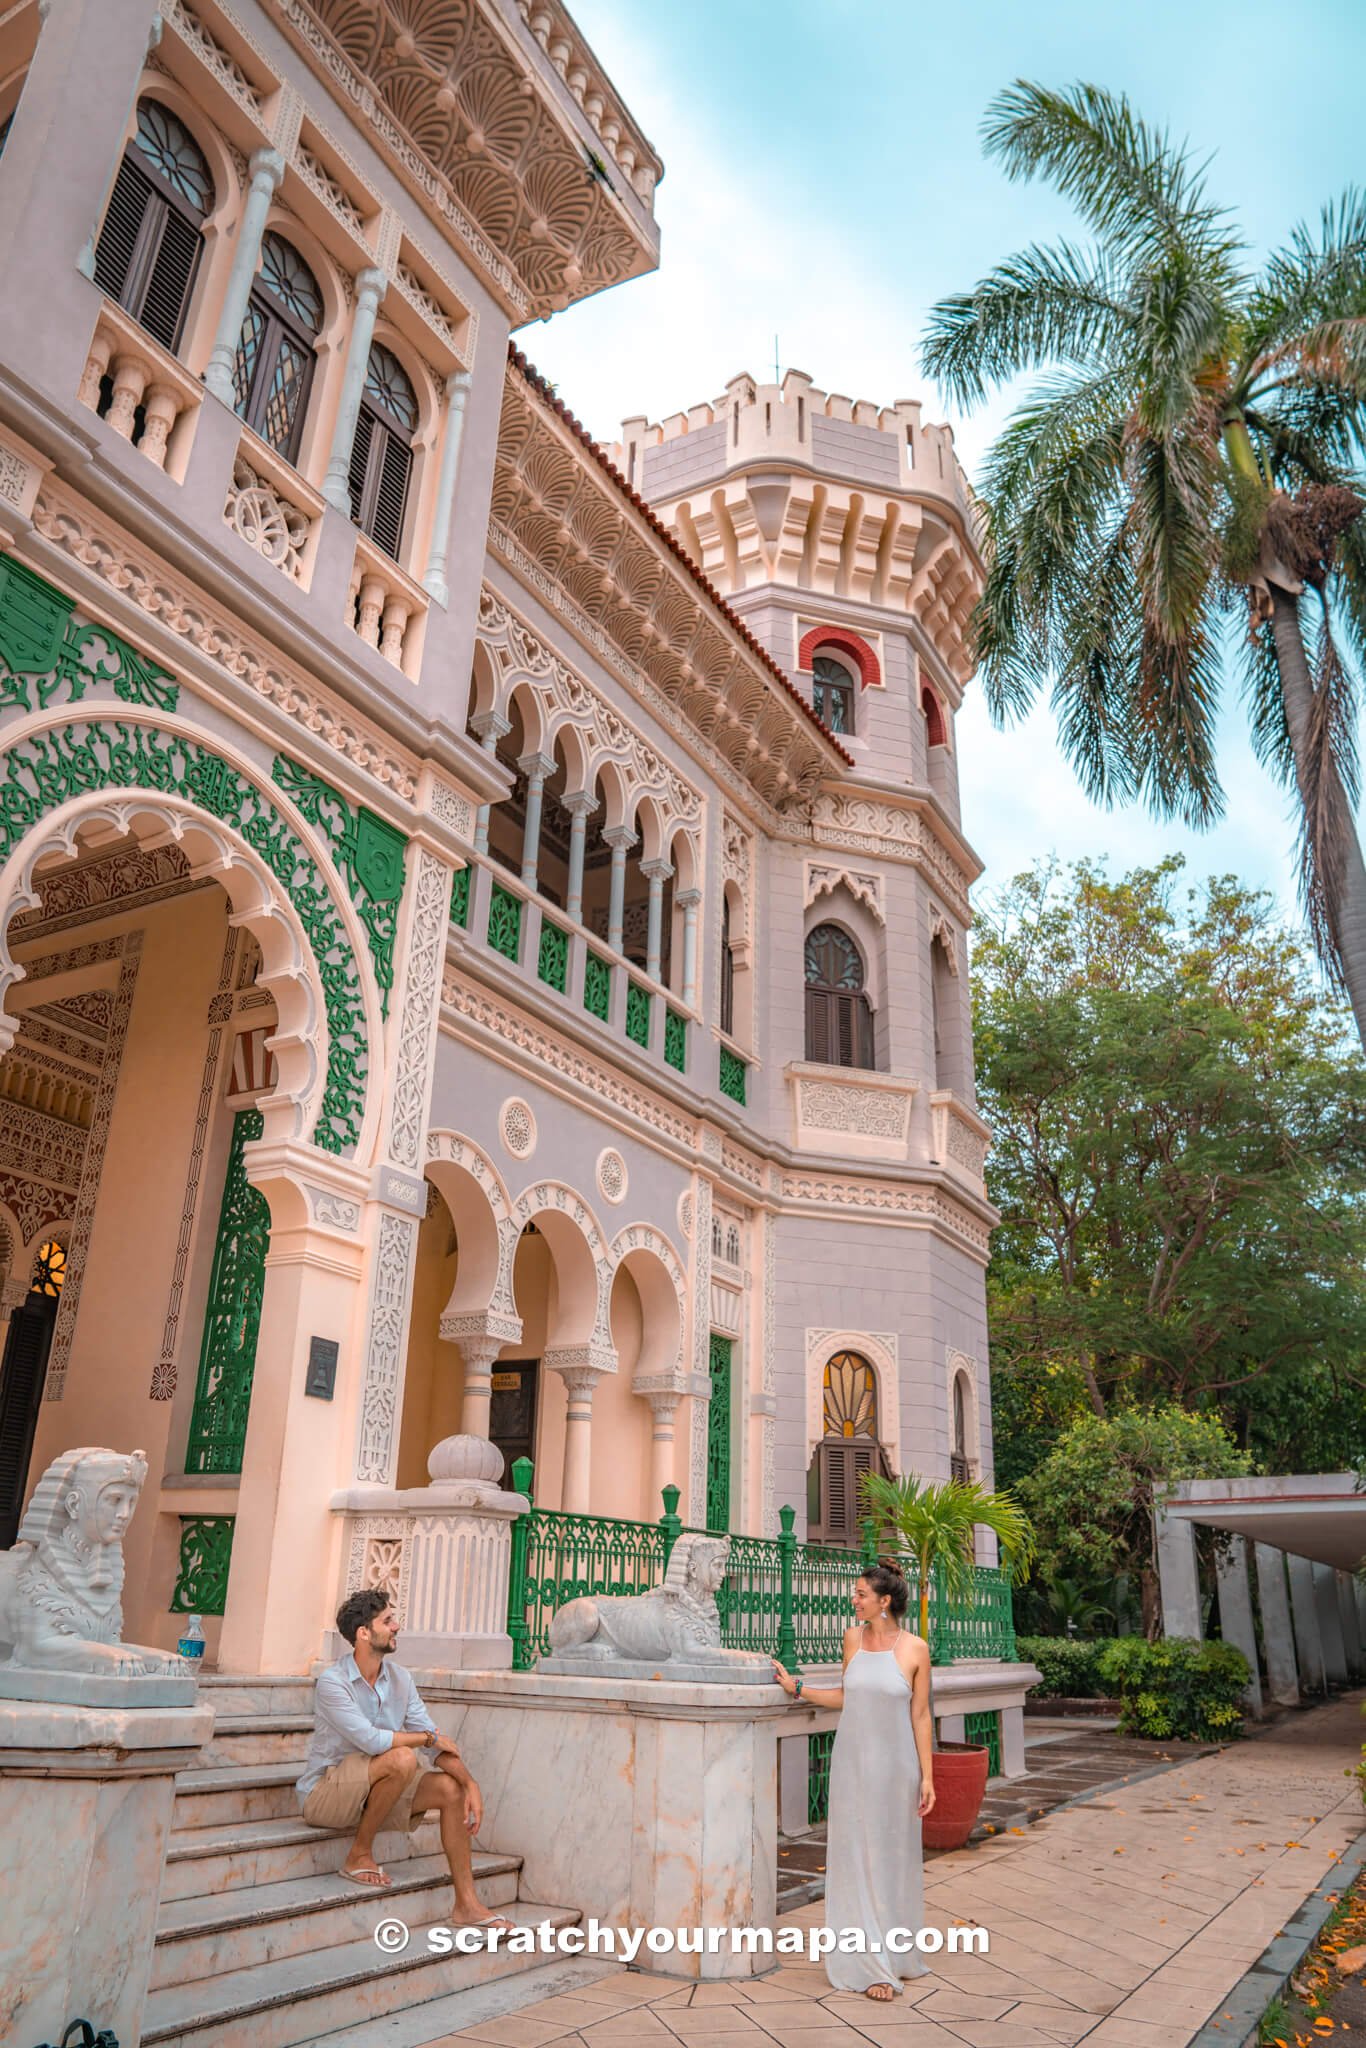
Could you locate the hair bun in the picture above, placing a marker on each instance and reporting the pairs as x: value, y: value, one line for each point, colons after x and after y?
x: 892, y: 1564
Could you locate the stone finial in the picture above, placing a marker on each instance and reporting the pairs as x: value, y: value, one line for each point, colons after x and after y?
x: 465, y: 1461
x: 61, y: 1586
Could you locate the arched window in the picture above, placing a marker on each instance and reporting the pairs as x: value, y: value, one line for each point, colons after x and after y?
x: 274, y: 365
x: 839, y: 1023
x: 958, y: 1456
x: 727, y: 973
x: 936, y: 732
x: 148, y: 250
x: 849, y: 1447
x: 832, y: 694
x: 382, y: 453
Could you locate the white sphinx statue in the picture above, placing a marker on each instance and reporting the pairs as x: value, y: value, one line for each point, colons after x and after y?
x: 61, y: 1586
x: 673, y: 1631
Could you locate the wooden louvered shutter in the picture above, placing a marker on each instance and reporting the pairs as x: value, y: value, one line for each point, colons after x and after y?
x: 130, y: 205
x: 394, y: 464
x: 834, y: 1492
x: 21, y: 1384
x: 170, y: 280
x: 818, y: 1034
x: 360, y: 463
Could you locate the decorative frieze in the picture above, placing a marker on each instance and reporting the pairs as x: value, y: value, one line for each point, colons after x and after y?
x: 270, y: 523
x: 961, y: 1138
x: 413, y: 1066
x: 893, y: 1200
x: 214, y: 632
x: 856, y: 822
x: 128, y: 878
x: 390, y: 1289
x: 864, y: 885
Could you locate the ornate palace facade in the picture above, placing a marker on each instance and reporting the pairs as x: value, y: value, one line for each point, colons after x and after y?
x: 484, y: 916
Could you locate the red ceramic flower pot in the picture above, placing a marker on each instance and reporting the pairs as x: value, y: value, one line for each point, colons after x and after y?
x: 960, y: 1779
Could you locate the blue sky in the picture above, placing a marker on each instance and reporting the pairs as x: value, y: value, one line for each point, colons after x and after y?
x: 824, y: 182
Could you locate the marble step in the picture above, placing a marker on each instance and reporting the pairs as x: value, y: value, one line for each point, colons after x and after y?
x: 208, y: 1935
x: 238, y: 1854
x: 257, y: 1739
x: 238, y: 1793
x: 230, y: 1695
x: 431, y: 2024
x: 300, y: 1999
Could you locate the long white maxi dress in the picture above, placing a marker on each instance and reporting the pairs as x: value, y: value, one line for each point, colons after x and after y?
x: 874, y: 1870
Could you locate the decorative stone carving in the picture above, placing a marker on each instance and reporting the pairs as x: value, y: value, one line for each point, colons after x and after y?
x: 61, y: 1586
x: 612, y: 1177
x: 677, y: 1624
x: 465, y: 1461
x: 266, y: 520
x: 863, y: 884
x: 390, y: 1288
x: 517, y: 1127
x: 850, y: 1110
x: 413, y: 1067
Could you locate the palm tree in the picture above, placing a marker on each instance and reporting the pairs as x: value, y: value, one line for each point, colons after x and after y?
x: 936, y: 1523
x: 1194, y: 445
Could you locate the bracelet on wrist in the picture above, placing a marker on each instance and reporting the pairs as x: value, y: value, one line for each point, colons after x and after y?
x: 798, y: 1693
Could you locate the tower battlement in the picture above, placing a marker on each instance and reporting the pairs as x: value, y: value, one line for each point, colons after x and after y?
x: 852, y: 439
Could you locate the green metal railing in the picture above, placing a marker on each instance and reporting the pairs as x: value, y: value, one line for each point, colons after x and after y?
x: 780, y: 1595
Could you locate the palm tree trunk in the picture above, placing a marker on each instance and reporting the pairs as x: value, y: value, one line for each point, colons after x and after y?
x: 1349, y: 880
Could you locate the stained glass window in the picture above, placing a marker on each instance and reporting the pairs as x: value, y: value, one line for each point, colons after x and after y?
x: 274, y: 364
x: 832, y: 694
x: 148, y: 250
x: 49, y: 1269
x: 173, y: 154
x: 850, y: 1400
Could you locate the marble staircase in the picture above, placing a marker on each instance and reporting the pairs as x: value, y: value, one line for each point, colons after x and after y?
x: 261, y: 1945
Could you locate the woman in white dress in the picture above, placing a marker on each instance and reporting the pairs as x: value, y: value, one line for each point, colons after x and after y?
x: 881, y: 1785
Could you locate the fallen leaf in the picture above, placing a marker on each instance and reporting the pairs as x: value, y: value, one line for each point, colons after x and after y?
x: 1351, y: 1960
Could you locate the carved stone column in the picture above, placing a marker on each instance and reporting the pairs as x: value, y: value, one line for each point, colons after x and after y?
x: 535, y: 767
x: 481, y: 1337
x: 621, y: 839
x: 580, y: 806
x: 580, y: 1366
x: 369, y: 291
x: 266, y: 169
x: 398, y: 1188
x: 663, y: 1406
x: 457, y: 391
x: 489, y: 726
x: 656, y: 873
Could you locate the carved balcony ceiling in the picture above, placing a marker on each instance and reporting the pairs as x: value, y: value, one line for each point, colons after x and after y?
x: 496, y: 115
x: 566, y: 521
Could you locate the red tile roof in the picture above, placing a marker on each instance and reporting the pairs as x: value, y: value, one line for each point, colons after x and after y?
x: 737, y: 625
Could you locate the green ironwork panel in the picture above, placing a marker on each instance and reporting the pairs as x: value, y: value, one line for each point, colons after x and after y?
x: 232, y: 1320
x: 986, y: 1727
x: 460, y: 897
x: 567, y: 1556
x: 732, y: 1075
x: 201, y: 1585
x: 597, y: 986
x: 819, y: 1750
x: 983, y: 1628
x: 718, y: 1434
x: 675, y: 1040
x: 49, y: 767
x: 637, y: 1013
x: 369, y: 853
x: 552, y: 965
x: 505, y: 922
x: 47, y: 655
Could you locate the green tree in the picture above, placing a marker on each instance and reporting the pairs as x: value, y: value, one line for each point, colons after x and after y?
x: 1091, y: 1500
x: 1195, y: 444
x: 1179, y: 1158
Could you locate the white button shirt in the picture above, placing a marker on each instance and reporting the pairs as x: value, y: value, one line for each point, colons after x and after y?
x: 350, y: 1714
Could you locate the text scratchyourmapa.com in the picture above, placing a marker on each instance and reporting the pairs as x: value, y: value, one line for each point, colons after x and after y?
x: 625, y: 1944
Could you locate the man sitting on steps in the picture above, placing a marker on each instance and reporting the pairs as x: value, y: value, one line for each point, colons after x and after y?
x: 363, y: 1771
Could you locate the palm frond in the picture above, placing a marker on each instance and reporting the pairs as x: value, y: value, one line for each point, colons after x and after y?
x: 1316, y: 280
x: 1134, y: 187
x: 1265, y: 703
x: 1329, y: 789
x: 1040, y: 306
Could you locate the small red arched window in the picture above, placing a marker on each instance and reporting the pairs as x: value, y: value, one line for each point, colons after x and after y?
x: 936, y: 730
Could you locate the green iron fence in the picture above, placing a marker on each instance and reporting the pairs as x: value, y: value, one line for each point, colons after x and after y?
x: 780, y: 1595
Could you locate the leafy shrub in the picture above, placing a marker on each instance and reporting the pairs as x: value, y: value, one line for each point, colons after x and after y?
x: 1067, y: 1666
x: 1176, y: 1689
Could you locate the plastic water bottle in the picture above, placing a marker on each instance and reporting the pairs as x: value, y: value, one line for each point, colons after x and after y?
x: 191, y: 1643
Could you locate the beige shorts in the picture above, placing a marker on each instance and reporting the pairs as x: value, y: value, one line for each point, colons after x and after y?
x: 338, y: 1798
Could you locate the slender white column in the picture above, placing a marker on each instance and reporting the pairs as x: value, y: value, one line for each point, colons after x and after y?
x: 663, y: 1406
x: 457, y: 391
x: 369, y: 291
x: 267, y: 168
x: 688, y: 901
x: 579, y: 1381
x: 535, y: 767
x: 656, y: 873
x: 490, y: 727
x: 621, y: 839
x: 579, y: 806
x: 1308, y: 1636
x: 479, y: 1354
x: 1235, y: 1615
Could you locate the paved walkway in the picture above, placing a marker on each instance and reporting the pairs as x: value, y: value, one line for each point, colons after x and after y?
x: 1120, y: 1922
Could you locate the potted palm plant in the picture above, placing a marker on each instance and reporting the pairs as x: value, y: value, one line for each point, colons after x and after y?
x: 934, y: 1524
